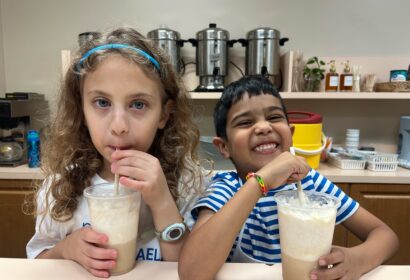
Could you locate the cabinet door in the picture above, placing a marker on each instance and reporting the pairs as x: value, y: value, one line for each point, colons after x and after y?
x: 340, y: 235
x: 391, y: 204
x: 16, y: 227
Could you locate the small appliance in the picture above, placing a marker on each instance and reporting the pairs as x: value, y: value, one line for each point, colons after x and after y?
x: 262, y: 53
x: 20, y: 112
x: 170, y: 41
x: 404, y: 141
x: 212, y: 57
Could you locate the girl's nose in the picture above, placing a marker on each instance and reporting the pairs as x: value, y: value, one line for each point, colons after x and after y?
x: 119, y: 123
x: 263, y: 127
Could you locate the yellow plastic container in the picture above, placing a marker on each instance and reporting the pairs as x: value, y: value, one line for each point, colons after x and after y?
x: 308, y: 136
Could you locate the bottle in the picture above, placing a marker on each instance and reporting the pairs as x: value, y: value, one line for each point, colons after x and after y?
x: 346, y: 79
x: 332, y: 78
x: 33, y: 148
x: 356, y: 78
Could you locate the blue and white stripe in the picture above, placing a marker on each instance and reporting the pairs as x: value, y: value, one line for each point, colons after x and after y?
x: 260, y: 238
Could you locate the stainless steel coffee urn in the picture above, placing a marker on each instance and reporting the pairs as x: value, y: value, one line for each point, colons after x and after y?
x: 170, y: 41
x: 211, y: 57
x: 262, y: 53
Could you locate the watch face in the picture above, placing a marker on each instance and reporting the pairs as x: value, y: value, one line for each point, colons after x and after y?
x: 174, y: 233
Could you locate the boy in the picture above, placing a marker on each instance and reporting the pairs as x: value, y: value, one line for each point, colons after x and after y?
x: 236, y: 222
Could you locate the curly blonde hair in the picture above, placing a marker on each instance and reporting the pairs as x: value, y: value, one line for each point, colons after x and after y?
x: 69, y: 158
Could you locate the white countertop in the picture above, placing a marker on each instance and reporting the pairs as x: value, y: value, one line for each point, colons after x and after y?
x: 19, y: 269
x: 336, y: 175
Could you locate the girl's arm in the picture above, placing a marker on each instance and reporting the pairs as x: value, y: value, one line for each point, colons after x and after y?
x: 380, y: 243
x: 165, y: 214
x: 211, y: 239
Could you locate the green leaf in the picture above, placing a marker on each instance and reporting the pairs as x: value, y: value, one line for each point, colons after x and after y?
x: 322, y: 63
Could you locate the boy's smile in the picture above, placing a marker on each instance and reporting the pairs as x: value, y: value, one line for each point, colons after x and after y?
x: 257, y: 132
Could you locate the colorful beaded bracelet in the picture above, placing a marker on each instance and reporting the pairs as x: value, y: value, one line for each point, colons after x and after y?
x: 260, y: 182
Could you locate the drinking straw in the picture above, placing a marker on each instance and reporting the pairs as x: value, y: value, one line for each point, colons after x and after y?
x: 301, y: 195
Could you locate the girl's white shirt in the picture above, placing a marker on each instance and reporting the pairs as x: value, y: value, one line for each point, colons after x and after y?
x: 49, y: 232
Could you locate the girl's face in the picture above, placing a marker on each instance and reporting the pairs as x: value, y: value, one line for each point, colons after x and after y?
x: 257, y: 132
x: 123, y: 108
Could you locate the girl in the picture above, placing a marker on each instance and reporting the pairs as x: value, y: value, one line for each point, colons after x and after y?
x: 121, y: 110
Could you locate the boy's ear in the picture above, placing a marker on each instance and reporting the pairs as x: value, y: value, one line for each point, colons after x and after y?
x: 219, y: 143
x: 168, y: 107
x: 292, y: 128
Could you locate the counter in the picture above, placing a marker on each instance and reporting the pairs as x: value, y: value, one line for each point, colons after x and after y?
x: 64, y: 269
x: 336, y: 175
x: 21, y: 172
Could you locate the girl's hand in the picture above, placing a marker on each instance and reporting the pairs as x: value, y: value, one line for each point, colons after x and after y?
x: 286, y: 168
x: 142, y: 172
x: 84, y: 246
x: 340, y: 263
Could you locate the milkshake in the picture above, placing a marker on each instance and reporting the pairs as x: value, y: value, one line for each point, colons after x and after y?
x: 306, y: 231
x: 117, y: 217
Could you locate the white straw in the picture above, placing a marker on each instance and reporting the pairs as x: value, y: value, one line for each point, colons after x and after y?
x: 301, y: 195
x: 116, y: 182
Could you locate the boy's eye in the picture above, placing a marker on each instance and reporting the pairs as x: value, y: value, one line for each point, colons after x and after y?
x: 244, y: 123
x: 138, y: 105
x: 274, y: 117
x: 102, y: 103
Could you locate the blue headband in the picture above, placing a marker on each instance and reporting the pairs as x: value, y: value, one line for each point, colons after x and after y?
x: 118, y: 46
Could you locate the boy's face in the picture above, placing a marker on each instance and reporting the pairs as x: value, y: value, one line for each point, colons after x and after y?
x: 257, y: 132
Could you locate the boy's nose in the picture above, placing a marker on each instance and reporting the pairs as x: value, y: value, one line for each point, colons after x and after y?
x: 119, y: 123
x: 263, y: 127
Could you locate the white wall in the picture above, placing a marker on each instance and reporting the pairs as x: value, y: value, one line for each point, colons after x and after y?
x: 34, y: 32
x: 2, y: 73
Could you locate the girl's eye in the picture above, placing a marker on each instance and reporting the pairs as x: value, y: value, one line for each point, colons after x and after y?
x: 102, y: 103
x: 138, y: 105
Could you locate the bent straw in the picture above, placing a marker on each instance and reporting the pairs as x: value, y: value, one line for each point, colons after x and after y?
x: 301, y: 195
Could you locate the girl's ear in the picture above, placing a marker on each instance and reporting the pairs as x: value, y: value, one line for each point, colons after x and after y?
x: 166, y: 112
x: 220, y: 144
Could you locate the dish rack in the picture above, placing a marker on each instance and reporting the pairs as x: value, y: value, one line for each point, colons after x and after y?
x: 382, y: 162
x: 346, y: 163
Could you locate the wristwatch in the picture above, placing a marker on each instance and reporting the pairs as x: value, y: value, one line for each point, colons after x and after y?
x: 172, y: 232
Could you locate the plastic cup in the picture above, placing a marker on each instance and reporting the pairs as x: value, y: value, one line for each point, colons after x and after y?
x: 117, y: 217
x: 306, y: 231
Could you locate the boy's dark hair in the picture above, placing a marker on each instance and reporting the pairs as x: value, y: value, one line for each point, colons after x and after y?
x: 250, y: 85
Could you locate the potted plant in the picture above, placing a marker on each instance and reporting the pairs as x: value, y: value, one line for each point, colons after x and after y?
x: 313, y: 73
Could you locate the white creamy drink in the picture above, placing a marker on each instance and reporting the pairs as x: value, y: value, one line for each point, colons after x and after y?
x: 117, y: 217
x: 306, y: 231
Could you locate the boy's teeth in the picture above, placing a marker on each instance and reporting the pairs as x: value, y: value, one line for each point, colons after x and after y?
x: 265, y: 147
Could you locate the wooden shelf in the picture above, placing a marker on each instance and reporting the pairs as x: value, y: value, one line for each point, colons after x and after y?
x: 318, y: 95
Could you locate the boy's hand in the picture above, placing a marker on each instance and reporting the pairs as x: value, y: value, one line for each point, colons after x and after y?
x: 286, y: 168
x: 340, y: 263
x: 84, y: 247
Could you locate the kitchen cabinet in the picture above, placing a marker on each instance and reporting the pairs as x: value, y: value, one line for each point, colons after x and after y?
x: 391, y: 204
x: 16, y: 227
x: 388, y: 202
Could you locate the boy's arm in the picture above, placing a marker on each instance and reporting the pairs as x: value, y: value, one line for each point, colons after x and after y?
x: 380, y: 243
x: 213, y: 235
